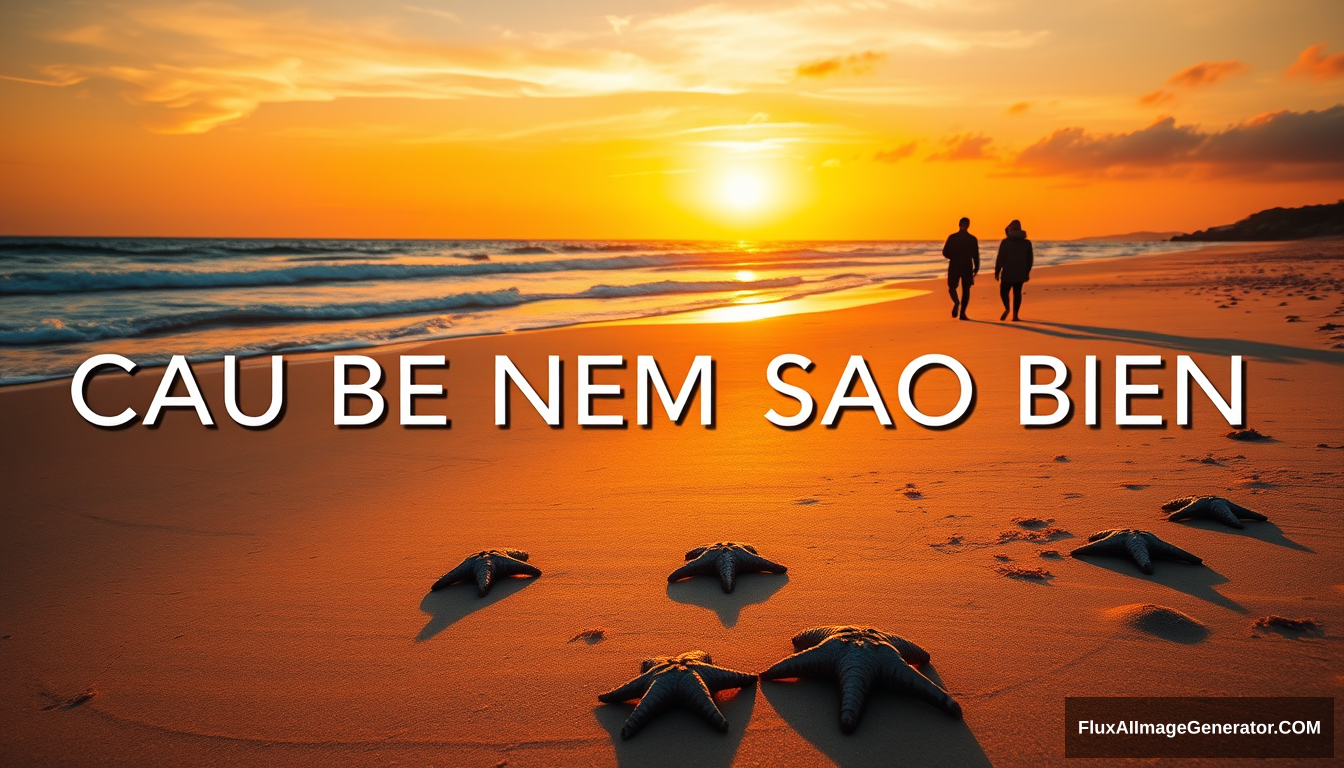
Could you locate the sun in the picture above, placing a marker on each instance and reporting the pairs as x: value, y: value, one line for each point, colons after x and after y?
x: 743, y: 191
x: 745, y: 276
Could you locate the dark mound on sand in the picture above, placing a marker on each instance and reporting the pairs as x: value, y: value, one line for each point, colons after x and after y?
x: 1277, y: 224
x: 1027, y: 574
x: 1161, y: 621
x: 1248, y: 435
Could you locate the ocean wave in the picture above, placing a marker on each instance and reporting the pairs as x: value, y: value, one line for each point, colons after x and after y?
x: 56, y: 331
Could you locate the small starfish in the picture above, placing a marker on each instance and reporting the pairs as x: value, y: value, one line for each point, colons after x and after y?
x: 1140, y: 546
x: 689, y: 680
x: 725, y: 558
x: 1210, y: 508
x: 860, y: 658
x: 485, y: 567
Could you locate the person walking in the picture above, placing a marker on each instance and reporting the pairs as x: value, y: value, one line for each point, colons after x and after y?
x: 1012, y: 268
x: 962, y: 252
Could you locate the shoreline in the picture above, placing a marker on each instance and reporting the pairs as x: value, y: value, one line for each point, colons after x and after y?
x: 934, y: 285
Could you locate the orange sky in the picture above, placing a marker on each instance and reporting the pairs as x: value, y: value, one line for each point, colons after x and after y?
x: 835, y: 120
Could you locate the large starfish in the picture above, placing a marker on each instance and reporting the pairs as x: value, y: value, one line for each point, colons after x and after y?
x: 485, y: 567
x: 860, y: 658
x: 1210, y: 508
x: 725, y: 558
x: 689, y: 680
x: 1140, y: 546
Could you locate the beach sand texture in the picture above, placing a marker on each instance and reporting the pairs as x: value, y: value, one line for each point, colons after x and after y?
x: 192, y: 596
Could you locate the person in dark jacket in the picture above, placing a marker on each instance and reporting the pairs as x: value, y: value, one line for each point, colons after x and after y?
x: 962, y: 252
x: 1013, y: 267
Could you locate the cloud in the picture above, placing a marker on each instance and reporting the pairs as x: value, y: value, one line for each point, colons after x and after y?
x: 1020, y: 108
x: 1160, y: 96
x: 1314, y: 64
x: 1201, y: 75
x: 198, y: 65
x: 896, y: 154
x: 853, y: 64
x: 1206, y: 73
x: 964, y: 146
x: 1284, y: 143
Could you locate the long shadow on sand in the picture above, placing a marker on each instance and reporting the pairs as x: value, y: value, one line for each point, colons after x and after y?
x: 895, y: 730
x: 451, y: 604
x: 679, y: 737
x: 1194, y: 580
x: 1279, y: 353
x: 751, y: 589
x: 1262, y: 531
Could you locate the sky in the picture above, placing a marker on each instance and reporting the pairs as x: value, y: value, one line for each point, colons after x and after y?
x: 651, y: 119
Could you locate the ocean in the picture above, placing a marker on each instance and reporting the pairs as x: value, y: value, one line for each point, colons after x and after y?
x: 63, y: 300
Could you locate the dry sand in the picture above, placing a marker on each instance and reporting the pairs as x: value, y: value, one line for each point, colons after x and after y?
x: 230, y: 596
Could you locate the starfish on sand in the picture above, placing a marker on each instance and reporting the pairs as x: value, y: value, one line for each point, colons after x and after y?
x: 689, y: 680
x: 1210, y: 508
x: 485, y: 567
x: 725, y: 558
x: 1140, y: 546
x: 860, y: 658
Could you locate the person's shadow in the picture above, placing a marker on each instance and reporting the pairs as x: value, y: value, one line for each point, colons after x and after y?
x: 895, y: 729
x: 455, y: 602
x: 1261, y: 530
x: 679, y: 737
x: 1194, y: 580
x: 705, y: 591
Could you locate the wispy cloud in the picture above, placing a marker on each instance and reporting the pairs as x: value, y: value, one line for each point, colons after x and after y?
x: 200, y: 65
x: 1315, y: 64
x: 1201, y: 75
x: 853, y: 64
x: 964, y: 146
x: 896, y: 154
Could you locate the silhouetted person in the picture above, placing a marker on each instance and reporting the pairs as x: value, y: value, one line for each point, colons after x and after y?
x: 1013, y: 266
x: 962, y: 252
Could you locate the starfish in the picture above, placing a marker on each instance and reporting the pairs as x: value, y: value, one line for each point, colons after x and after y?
x: 725, y: 558
x: 860, y: 658
x: 485, y: 567
x: 1210, y: 508
x: 1141, y: 546
x: 689, y: 680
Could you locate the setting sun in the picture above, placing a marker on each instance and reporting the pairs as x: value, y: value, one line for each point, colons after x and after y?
x: 743, y: 192
x: 745, y: 276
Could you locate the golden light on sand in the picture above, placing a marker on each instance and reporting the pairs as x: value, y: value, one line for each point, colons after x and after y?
x: 745, y: 276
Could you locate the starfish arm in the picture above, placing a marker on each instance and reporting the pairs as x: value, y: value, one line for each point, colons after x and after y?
x: 1108, y: 546
x: 511, y: 567
x: 459, y: 573
x: 904, y: 678
x: 856, y: 678
x: 485, y: 576
x: 1178, y: 504
x: 749, y: 548
x: 627, y: 691
x: 1172, y: 552
x: 1227, y: 517
x: 910, y: 653
x: 1102, y: 535
x: 694, y: 553
x: 727, y: 568
x: 719, y: 679
x: 658, y: 698
x: 810, y: 637
x: 516, y: 554
x: 813, y: 662
x: 1244, y: 513
x: 1138, y: 550
x: 693, y: 692
x: 754, y: 562
x: 701, y: 566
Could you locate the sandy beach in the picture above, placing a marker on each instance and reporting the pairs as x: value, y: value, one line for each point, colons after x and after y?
x: 192, y: 596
